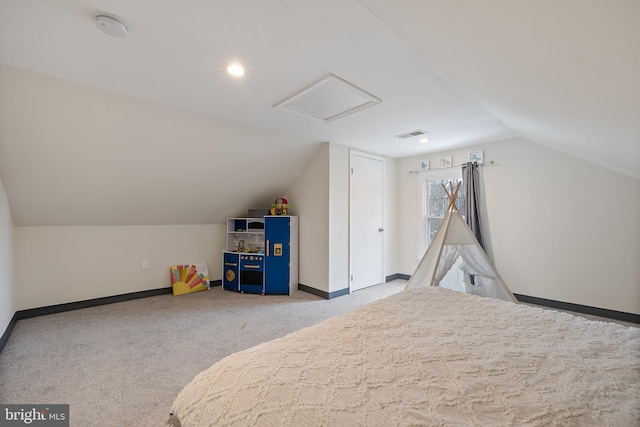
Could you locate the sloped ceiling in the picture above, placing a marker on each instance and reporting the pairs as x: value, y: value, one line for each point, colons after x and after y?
x: 561, y: 73
x: 150, y: 129
x: 73, y: 154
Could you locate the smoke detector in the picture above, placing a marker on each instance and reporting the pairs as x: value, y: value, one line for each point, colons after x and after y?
x: 112, y: 25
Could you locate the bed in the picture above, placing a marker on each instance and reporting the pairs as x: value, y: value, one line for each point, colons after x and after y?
x: 428, y: 356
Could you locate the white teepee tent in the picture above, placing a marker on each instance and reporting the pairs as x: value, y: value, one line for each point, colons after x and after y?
x: 456, y: 260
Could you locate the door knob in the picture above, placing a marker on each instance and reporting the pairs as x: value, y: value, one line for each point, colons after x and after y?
x: 380, y: 230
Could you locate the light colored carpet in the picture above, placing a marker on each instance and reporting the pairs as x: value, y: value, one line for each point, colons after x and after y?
x: 123, y: 364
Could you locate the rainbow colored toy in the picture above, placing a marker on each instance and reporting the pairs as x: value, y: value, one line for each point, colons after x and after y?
x: 186, y: 279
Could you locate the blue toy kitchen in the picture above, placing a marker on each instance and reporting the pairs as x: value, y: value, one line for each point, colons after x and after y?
x: 261, y: 255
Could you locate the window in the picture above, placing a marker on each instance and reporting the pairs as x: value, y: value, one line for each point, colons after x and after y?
x: 434, y: 202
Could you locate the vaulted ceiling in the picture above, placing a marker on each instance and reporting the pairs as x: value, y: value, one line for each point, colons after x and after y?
x: 565, y: 74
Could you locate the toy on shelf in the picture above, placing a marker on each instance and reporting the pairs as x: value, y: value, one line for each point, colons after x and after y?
x: 280, y: 207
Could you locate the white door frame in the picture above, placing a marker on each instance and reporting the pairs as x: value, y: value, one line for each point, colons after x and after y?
x: 353, y: 153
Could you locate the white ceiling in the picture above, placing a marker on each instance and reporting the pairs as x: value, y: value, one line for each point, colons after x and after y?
x: 176, y: 53
x: 563, y: 73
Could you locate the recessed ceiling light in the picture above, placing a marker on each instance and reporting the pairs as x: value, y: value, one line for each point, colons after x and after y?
x: 424, y: 140
x: 235, y: 70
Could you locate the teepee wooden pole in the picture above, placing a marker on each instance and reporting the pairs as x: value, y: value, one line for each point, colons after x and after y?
x: 452, y: 196
x: 446, y: 190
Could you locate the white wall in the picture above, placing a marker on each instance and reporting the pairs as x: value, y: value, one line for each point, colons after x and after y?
x: 320, y: 197
x: 55, y: 265
x: 309, y: 199
x: 7, y: 305
x: 391, y: 211
x: 338, y: 217
x: 557, y: 227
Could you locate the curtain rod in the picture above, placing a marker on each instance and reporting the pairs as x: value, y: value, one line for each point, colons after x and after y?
x: 487, y: 163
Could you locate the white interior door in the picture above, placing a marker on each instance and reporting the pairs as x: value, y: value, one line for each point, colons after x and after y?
x: 366, y: 221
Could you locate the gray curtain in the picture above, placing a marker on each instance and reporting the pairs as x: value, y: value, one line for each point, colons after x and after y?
x: 471, y: 200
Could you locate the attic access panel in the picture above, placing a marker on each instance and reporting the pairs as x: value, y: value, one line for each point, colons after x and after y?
x: 329, y: 99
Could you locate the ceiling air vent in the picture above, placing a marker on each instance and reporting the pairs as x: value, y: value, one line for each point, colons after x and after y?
x: 411, y: 134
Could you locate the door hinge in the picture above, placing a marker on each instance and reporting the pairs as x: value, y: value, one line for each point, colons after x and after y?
x: 351, y: 171
x: 352, y: 277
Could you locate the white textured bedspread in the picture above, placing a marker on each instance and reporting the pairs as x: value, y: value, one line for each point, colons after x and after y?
x: 428, y: 357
